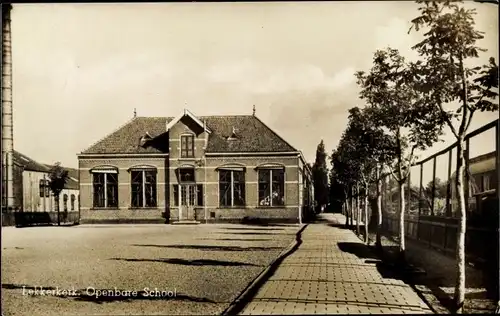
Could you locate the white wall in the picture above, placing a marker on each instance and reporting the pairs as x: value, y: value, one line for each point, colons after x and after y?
x: 32, y: 202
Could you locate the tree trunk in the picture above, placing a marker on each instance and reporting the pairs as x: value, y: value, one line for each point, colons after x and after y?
x: 401, y: 185
x: 56, y: 200
x: 367, y: 239
x: 378, y: 242
x: 460, y: 187
x: 346, y: 212
x: 357, y: 209
x: 351, y: 210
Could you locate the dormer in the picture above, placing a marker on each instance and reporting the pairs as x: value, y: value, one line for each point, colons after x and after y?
x: 145, y: 139
x: 234, y: 134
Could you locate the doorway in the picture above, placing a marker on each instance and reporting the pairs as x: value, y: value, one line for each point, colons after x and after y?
x: 188, y: 202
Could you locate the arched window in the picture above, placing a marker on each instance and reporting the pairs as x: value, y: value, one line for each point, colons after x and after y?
x: 143, y: 186
x: 105, y: 186
x: 231, y: 186
x: 271, y: 185
x: 72, y: 202
x: 65, y: 201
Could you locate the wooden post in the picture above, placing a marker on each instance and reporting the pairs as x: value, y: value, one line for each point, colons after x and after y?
x: 448, y: 187
x: 497, y: 263
x: 433, y: 184
x: 420, y: 199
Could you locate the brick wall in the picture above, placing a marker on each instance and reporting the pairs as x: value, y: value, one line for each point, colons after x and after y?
x: 123, y: 212
x: 205, y: 173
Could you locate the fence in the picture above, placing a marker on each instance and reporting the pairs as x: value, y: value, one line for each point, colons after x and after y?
x: 22, y: 219
x: 431, y: 200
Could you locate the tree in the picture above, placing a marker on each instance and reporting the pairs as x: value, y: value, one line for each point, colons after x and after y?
x: 455, y: 88
x: 58, y: 176
x: 411, y: 123
x: 436, y: 191
x: 343, y: 173
x: 320, y: 176
x: 368, y: 149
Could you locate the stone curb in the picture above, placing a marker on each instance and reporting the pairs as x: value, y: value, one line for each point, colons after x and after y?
x: 251, y: 290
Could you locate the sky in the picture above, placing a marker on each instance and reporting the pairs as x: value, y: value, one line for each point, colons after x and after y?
x: 79, y: 70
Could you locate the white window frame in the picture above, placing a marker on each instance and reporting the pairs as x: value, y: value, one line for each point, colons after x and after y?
x: 143, y: 186
x: 105, y: 171
x: 232, y: 187
x: 271, y: 186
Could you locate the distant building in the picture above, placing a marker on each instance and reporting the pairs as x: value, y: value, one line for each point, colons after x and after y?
x: 196, y: 169
x: 483, y: 182
x: 31, y: 191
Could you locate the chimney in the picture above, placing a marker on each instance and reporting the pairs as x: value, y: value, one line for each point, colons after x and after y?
x: 135, y: 112
x: 7, y: 121
x: 253, y: 110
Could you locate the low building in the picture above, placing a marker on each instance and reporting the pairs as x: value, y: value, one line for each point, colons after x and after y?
x: 31, y: 190
x: 483, y: 183
x: 196, y: 169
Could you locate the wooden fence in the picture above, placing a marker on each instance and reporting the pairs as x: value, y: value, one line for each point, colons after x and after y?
x: 441, y: 234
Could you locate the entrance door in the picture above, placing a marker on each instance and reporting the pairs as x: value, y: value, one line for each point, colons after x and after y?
x: 188, y: 202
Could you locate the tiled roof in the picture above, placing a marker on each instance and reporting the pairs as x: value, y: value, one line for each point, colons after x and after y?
x: 29, y: 164
x: 126, y: 138
x: 73, y: 178
x: 252, y: 136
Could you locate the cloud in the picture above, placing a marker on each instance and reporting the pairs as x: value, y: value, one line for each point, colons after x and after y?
x: 261, y: 78
x: 394, y: 34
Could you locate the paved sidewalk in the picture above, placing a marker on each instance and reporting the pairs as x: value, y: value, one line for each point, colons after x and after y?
x: 332, y: 272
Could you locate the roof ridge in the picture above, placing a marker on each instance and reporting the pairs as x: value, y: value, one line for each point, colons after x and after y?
x: 205, y: 116
x: 31, y: 160
x: 232, y: 115
x: 111, y: 133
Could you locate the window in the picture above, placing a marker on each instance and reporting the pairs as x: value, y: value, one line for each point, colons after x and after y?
x: 44, y: 188
x: 65, y: 201
x: 231, y: 188
x: 199, y: 192
x: 486, y: 182
x: 72, y: 202
x: 105, y: 189
x: 176, y: 195
x: 271, y: 187
x: 143, y: 188
x: 186, y: 175
x: 187, y: 146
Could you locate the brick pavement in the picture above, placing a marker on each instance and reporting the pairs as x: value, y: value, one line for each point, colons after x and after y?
x: 332, y: 272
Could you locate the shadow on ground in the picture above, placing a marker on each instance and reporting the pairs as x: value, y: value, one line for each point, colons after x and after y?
x: 237, y: 239
x: 212, y: 248
x: 422, y: 273
x: 99, y: 296
x: 253, y: 233
x: 254, y: 228
x: 388, y: 270
x: 197, y: 262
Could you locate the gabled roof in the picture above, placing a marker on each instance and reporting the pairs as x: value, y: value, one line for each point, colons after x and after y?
x: 126, y: 139
x: 252, y: 136
x: 29, y: 164
x: 186, y: 112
